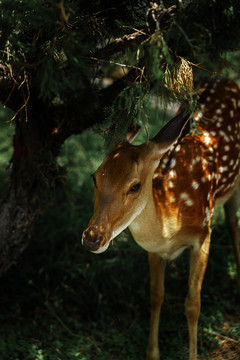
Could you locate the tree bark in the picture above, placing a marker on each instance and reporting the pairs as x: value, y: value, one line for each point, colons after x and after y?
x: 34, y: 176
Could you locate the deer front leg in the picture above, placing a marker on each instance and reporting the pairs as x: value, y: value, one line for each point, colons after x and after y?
x: 157, y: 270
x: 198, y: 263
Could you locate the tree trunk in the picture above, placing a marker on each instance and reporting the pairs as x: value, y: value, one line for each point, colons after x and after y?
x: 34, y: 176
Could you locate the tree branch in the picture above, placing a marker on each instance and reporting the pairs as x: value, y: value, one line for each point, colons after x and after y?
x: 120, y: 44
x: 11, y: 91
x: 159, y: 19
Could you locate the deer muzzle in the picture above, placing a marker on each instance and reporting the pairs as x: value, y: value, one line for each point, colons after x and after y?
x: 94, y: 241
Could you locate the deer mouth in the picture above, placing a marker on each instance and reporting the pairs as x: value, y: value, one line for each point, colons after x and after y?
x: 96, y: 243
x: 101, y: 249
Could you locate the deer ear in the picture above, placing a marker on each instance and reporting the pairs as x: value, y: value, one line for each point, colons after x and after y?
x: 132, y: 133
x: 171, y: 132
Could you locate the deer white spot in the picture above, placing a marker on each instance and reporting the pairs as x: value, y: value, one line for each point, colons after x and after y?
x: 225, y: 157
x: 227, y: 187
x: 207, y: 138
x: 189, y: 202
x: 208, y: 98
x: 219, y: 111
x: 226, y: 147
x: 213, y: 133
x: 195, y: 185
x: 170, y: 184
x: 229, y: 128
x: 172, y: 173
x: 223, y: 168
x: 212, y: 91
x: 223, y: 106
x: 231, y: 162
x: 173, y: 163
x: 236, y: 164
x: 184, y: 196
x: 178, y: 148
x: 234, y: 101
x: 172, y: 200
x: 196, y: 160
x: 206, y: 214
x: 231, y: 113
x: 198, y: 116
x: 203, y: 179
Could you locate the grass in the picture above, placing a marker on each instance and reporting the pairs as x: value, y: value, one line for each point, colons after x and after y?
x: 61, y: 302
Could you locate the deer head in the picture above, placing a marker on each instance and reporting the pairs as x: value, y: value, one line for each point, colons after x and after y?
x: 123, y: 185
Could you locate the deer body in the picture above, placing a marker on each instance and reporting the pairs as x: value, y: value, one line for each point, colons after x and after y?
x: 166, y: 191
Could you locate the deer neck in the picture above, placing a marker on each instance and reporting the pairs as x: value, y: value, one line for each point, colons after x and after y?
x: 154, y: 227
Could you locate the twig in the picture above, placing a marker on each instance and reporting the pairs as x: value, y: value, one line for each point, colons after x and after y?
x: 49, y: 307
x: 214, y: 333
x: 23, y: 106
x: 116, y: 63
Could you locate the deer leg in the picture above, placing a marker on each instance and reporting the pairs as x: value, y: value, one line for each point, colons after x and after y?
x: 157, y: 270
x: 231, y: 207
x: 198, y: 263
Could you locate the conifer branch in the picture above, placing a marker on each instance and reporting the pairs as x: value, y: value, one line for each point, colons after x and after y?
x: 158, y: 19
x: 122, y: 43
x: 10, y: 94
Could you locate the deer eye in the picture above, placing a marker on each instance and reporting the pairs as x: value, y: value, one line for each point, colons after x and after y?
x: 135, y: 188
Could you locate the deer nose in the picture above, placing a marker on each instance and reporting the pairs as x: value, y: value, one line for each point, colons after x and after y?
x: 91, y: 241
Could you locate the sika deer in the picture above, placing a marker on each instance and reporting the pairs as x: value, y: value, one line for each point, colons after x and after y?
x: 166, y: 191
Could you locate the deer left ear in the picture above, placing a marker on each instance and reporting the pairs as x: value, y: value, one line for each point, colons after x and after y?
x: 132, y: 133
x: 171, y: 132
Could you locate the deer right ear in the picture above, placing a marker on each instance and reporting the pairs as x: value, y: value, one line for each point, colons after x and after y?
x: 172, y: 131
